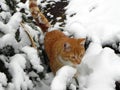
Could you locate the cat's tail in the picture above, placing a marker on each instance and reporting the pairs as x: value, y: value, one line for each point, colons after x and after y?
x: 40, y: 19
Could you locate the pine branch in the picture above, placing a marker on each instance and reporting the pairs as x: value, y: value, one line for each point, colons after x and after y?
x: 12, y: 5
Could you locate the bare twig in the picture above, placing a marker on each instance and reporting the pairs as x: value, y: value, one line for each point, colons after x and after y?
x: 30, y: 37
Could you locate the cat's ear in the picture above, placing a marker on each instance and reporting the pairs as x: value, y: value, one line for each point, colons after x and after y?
x: 82, y: 41
x: 67, y: 46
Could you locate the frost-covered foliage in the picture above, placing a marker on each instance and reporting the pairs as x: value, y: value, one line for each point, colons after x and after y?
x: 23, y: 67
x: 20, y: 65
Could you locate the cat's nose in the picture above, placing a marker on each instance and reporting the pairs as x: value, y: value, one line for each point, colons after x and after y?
x: 78, y: 61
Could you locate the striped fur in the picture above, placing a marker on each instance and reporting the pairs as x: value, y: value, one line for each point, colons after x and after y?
x: 40, y: 19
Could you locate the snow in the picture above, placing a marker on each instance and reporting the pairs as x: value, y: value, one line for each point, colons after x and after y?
x: 20, y: 79
x: 22, y: 5
x: 15, y: 20
x: 103, y: 67
x: 33, y: 57
x: 8, y: 39
x: 3, y: 80
x: 63, y: 78
x: 97, y: 24
x: 11, y: 28
x: 4, y: 15
x: 99, y: 20
x: 4, y: 6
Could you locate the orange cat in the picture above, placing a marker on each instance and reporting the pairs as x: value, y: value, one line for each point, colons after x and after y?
x: 61, y: 50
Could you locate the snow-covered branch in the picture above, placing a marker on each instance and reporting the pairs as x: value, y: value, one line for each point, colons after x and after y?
x: 33, y: 58
x: 63, y: 78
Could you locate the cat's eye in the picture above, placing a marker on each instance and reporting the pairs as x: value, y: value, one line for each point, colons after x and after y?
x: 81, y: 55
x: 73, y: 57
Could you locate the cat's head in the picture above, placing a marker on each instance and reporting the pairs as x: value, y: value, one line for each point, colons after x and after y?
x: 73, y: 51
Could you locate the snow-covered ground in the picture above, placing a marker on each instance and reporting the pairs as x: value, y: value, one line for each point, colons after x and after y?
x: 99, y: 20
